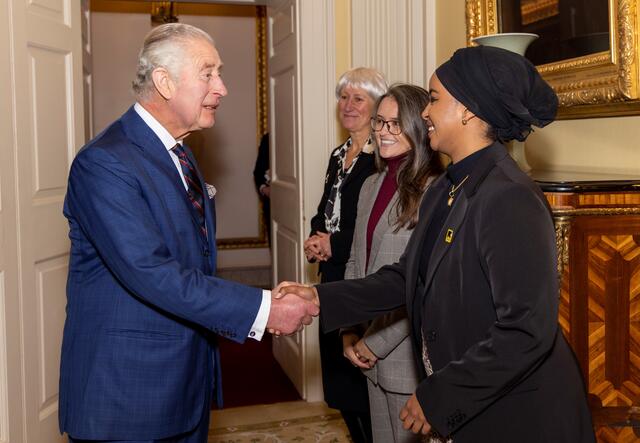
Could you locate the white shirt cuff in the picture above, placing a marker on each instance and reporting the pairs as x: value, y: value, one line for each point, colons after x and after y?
x: 260, y: 323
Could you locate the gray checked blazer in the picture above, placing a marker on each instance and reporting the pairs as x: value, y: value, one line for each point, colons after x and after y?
x: 389, y: 336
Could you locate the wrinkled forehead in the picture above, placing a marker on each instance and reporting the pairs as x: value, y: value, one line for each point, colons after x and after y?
x: 202, y: 54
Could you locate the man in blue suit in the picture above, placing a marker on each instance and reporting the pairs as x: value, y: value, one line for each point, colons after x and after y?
x: 139, y: 361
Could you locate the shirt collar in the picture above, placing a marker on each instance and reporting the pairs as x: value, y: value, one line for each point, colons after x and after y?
x: 456, y: 172
x: 167, y: 139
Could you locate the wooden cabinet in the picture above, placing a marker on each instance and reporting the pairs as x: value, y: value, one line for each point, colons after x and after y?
x: 598, y: 237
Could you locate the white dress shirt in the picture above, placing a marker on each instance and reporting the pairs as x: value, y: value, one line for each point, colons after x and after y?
x: 260, y: 322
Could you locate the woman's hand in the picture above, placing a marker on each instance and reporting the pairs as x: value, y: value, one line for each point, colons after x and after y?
x: 349, y: 340
x: 312, y: 249
x: 413, y: 418
x: 318, y: 247
x: 324, y: 243
x: 364, y: 354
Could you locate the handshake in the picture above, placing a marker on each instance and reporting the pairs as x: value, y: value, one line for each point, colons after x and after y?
x: 292, y: 306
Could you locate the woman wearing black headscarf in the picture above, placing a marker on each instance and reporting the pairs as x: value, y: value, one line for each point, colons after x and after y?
x: 479, y: 273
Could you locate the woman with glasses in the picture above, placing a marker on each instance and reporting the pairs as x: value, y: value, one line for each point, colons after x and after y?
x: 479, y: 276
x: 387, y: 213
x: 329, y: 243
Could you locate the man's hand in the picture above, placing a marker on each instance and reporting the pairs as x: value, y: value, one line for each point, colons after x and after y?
x: 349, y: 340
x: 413, y: 418
x: 364, y: 354
x: 290, y: 313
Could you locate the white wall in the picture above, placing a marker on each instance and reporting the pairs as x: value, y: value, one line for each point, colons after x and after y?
x: 226, y: 153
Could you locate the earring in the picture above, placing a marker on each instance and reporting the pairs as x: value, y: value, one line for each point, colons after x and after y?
x: 464, y: 121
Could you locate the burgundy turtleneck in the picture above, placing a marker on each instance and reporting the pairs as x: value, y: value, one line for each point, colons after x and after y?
x: 385, y: 194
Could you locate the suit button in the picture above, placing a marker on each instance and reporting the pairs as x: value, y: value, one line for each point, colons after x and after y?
x: 206, y: 252
x: 431, y: 335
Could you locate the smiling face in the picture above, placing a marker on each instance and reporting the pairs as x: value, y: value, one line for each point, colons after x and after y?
x: 198, y: 90
x: 390, y: 145
x: 443, y: 116
x: 355, y: 107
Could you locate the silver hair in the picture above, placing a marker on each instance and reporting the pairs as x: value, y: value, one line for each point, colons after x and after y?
x: 164, y: 46
x: 368, y: 79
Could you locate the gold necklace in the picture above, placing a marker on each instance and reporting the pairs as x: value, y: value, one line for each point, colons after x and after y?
x: 454, y: 188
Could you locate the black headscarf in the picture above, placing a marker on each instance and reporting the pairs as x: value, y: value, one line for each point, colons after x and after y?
x: 500, y: 87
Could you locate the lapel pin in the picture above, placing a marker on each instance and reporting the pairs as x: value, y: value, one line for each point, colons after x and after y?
x: 448, y: 237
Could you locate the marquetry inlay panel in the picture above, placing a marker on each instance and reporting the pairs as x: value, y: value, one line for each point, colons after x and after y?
x: 598, y: 240
x: 616, y: 435
x: 564, y: 313
x: 614, y: 318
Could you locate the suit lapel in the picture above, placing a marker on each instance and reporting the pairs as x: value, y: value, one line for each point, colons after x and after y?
x: 155, y: 152
x: 368, y: 202
x: 382, y: 228
x: 429, y: 201
x: 140, y: 134
x: 447, y: 235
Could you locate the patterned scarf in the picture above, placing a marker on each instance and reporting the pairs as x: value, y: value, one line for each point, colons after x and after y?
x: 332, y: 208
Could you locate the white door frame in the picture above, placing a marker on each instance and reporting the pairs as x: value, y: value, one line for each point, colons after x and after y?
x: 297, y: 188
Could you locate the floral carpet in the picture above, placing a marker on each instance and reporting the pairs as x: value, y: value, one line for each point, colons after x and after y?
x: 319, y: 429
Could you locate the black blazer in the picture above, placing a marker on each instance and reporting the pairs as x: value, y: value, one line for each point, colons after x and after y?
x: 333, y: 269
x: 488, y: 310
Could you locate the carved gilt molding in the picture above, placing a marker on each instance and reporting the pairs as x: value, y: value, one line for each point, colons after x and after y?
x: 563, y: 230
x: 538, y: 10
x: 595, y: 211
x: 601, y: 84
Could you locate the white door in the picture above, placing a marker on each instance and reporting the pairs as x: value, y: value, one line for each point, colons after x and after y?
x: 11, y: 381
x: 302, y: 110
x: 46, y: 118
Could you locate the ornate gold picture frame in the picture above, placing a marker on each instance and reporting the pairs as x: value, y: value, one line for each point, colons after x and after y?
x: 603, y: 84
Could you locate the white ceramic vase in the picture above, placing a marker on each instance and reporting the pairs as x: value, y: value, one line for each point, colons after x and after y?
x: 517, y: 42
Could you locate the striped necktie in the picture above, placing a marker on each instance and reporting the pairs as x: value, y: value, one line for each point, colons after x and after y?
x: 196, y: 196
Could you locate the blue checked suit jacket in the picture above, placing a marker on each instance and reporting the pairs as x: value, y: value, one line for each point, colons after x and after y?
x: 143, y: 306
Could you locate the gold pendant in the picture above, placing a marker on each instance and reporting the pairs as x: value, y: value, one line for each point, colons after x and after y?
x: 450, y: 201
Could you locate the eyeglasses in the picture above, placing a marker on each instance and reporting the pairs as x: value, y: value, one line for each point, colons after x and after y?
x: 392, y: 126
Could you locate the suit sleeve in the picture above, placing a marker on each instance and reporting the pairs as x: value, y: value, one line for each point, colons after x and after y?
x: 516, y: 247
x: 349, y: 302
x: 350, y: 270
x: 386, y: 333
x: 105, y: 199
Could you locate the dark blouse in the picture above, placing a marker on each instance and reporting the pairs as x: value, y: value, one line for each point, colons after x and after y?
x: 333, y: 269
x: 455, y: 174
